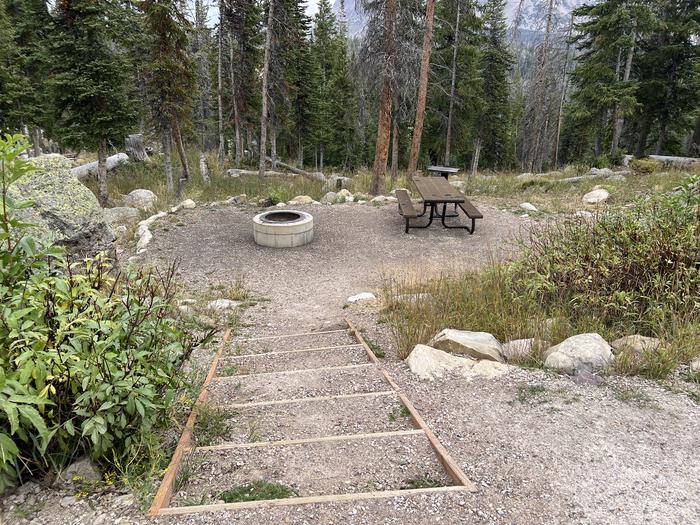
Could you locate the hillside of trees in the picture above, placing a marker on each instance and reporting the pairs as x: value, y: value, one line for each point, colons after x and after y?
x: 427, y: 82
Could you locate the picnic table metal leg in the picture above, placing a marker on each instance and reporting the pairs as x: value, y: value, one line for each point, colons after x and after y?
x: 469, y: 229
x: 433, y: 214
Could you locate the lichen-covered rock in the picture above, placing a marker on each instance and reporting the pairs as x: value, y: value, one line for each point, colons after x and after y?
x: 580, y: 353
x: 430, y: 363
x: 65, y: 212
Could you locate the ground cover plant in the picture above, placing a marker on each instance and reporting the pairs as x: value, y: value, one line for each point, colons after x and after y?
x: 631, y: 270
x: 90, y: 359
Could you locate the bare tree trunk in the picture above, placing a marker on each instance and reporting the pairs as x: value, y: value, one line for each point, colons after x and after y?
x: 36, y: 141
x: 273, y: 144
x: 320, y: 160
x: 663, y: 137
x: 620, y: 119
x: 453, y: 88
x: 168, y: 157
x: 475, y: 157
x: 300, y: 152
x: 134, y: 147
x: 204, y: 168
x: 694, y: 149
x: 385, y: 102
x: 102, y: 190
x: 643, y: 135
x: 184, y: 177
x: 234, y: 97
x: 220, y: 83
x: 265, y: 75
x: 422, y: 87
x: 395, y: 148
x: 564, y: 88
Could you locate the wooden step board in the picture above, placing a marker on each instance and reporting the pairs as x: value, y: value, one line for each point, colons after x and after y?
x: 314, y: 411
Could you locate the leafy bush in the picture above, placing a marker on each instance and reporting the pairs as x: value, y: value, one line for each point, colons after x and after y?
x: 88, y: 360
x: 628, y: 271
x: 645, y: 166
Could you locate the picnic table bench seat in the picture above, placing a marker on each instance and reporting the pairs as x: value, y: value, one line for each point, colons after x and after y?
x: 406, y: 208
x: 470, y: 210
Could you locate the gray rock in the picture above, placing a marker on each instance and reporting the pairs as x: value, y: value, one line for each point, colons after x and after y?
x: 188, y: 204
x: 238, y: 199
x: 81, y: 470
x: 638, y: 344
x: 68, y: 501
x: 64, y: 211
x: 596, y: 196
x: 329, y: 198
x: 695, y: 365
x: 223, y: 304
x: 580, y: 353
x: 121, y: 215
x: 528, y: 206
x: 360, y: 297
x: 126, y: 500
x: 301, y: 199
x: 603, y: 172
x: 337, y: 182
x: 141, y: 199
x: 479, y: 345
x: 588, y: 379
x: 430, y: 363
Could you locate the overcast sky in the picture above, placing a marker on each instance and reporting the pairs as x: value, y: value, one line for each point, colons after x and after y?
x: 311, y: 8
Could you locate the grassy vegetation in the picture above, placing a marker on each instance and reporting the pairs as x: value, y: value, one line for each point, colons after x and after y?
x: 423, y: 482
x: 257, y: 490
x: 377, y: 350
x: 630, y: 271
x: 211, y: 424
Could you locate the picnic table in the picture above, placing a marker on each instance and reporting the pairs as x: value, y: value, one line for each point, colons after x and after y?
x: 435, y: 192
x: 443, y: 171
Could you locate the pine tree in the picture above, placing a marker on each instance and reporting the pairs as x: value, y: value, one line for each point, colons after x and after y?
x: 492, y: 129
x: 171, y: 78
x: 91, y: 83
x: 12, y: 82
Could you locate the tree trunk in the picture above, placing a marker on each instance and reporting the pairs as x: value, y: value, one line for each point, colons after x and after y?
x: 320, y: 156
x: 453, y: 87
x: 422, y: 87
x: 395, y: 148
x: 643, y: 135
x: 385, y: 102
x: 300, y: 152
x: 317, y: 176
x: 620, y: 119
x: 135, y: 149
x: 168, y: 158
x: 694, y: 149
x: 204, y: 168
x: 36, y: 141
x: 220, y: 84
x: 102, y: 190
x: 663, y: 137
x: 273, y: 145
x: 475, y: 157
x: 184, y: 177
x: 265, y: 75
x: 564, y: 87
x: 234, y: 98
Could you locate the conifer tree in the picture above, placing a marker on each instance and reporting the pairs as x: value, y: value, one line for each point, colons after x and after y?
x: 12, y: 83
x: 91, y: 85
x: 170, y: 78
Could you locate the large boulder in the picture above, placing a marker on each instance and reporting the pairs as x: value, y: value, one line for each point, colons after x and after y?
x: 141, y: 199
x: 430, y: 363
x: 637, y: 344
x: 596, y: 196
x: 65, y: 212
x: 580, y: 353
x: 479, y: 345
x: 520, y: 350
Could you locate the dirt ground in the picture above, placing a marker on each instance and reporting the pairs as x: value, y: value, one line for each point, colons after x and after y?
x: 541, y: 448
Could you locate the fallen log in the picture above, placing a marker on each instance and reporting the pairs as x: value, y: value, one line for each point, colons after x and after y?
x: 676, y: 162
x: 235, y: 173
x: 90, y: 169
x: 316, y: 175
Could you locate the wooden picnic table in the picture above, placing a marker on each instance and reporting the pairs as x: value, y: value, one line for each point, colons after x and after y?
x: 436, y: 191
x: 443, y: 171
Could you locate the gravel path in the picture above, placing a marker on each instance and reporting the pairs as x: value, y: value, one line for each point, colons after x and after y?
x: 353, y: 247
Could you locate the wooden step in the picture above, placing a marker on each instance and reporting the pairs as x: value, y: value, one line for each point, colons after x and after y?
x: 296, y: 384
x: 335, y: 416
x: 388, y: 462
x: 279, y: 343
x: 293, y: 360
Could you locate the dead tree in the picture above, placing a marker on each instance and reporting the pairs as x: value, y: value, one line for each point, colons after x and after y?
x: 422, y: 87
x: 265, y: 75
x: 564, y: 88
x: 134, y: 147
x: 234, y: 98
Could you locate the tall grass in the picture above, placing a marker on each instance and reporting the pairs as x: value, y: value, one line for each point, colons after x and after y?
x: 630, y: 271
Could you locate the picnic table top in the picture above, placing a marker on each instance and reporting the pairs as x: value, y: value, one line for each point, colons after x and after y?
x: 442, y: 169
x: 437, y: 189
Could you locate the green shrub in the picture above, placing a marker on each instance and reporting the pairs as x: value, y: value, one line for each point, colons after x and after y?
x: 645, y: 166
x: 88, y: 361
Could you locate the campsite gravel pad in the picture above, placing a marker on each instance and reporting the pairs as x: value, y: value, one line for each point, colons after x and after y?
x: 294, y: 360
x: 302, y: 384
x: 357, y: 415
x: 310, y: 469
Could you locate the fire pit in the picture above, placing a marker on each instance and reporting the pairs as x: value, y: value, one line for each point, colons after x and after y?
x: 283, y: 228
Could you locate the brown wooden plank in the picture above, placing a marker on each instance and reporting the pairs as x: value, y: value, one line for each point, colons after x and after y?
x: 321, y: 439
x: 165, y: 490
x: 470, y: 210
x: 306, y: 500
x: 405, y: 205
x: 444, y: 457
